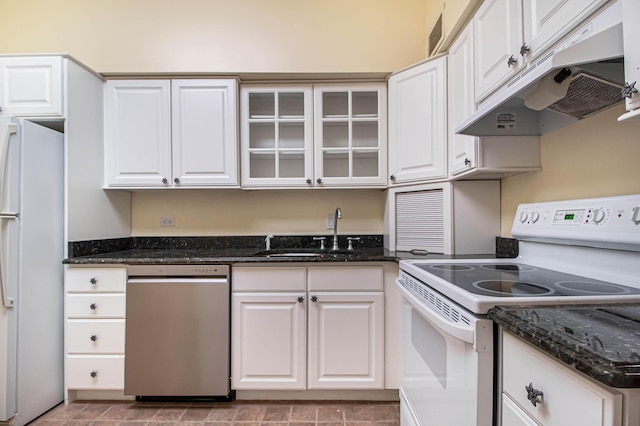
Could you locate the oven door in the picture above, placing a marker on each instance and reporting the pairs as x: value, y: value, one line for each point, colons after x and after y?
x: 447, y: 366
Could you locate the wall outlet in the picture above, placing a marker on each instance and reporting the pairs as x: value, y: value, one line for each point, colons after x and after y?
x: 169, y: 221
x: 330, y: 220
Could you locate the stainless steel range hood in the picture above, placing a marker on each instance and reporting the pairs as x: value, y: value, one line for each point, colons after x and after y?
x: 578, y: 78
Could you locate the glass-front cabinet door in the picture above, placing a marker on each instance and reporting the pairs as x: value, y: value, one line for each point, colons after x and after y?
x: 277, y: 136
x: 350, y: 135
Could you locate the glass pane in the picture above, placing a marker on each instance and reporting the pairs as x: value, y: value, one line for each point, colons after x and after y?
x: 262, y: 135
x: 261, y: 105
x: 365, y: 134
x: 335, y: 104
x: 365, y: 104
x: 335, y: 135
x: 263, y: 165
x: 291, y: 165
x: 335, y: 164
x: 291, y: 105
x: 291, y: 135
x: 365, y: 164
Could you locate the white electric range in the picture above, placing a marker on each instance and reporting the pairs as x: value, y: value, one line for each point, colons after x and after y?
x: 570, y: 252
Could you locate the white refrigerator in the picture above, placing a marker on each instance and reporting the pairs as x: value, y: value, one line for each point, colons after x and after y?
x: 31, y: 270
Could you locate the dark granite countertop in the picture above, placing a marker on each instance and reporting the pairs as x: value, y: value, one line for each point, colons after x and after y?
x: 178, y: 256
x: 602, y: 341
x: 242, y: 249
x: 226, y: 250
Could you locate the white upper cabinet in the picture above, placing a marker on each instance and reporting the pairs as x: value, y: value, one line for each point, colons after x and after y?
x: 31, y: 86
x: 497, y: 34
x: 204, y: 132
x: 350, y: 135
x: 137, y: 133
x: 277, y: 136
x: 417, y: 123
x: 545, y: 21
x: 314, y: 135
x: 631, y: 34
x: 162, y: 133
x: 510, y: 34
x: 461, y: 102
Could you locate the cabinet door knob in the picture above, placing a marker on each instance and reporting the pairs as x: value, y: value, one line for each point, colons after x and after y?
x: 319, y: 180
x: 176, y: 180
x: 467, y: 162
x: 165, y: 180
x: 314, y: 298
x: 392, y: 178
x: 628, y: 90
x: 533, y: 395
x: 93, y: 374
x: 93, y: 306
x: 524, y: 49
x: 300, y: 299
x: 93, y: 281
x: 93, y: 338
x: 511, y: 61
x: 309, y: 181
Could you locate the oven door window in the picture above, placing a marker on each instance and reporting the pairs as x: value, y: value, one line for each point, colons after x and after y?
x: 440, y: 376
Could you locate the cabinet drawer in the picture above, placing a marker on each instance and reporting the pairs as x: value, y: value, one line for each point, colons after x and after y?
x: 108, y: 372
x: 346, y: 278
x: 96, y: 279
x: 95, y: 305
x: 95, y: 336
x: 268, y: 279
x: 568, y: 398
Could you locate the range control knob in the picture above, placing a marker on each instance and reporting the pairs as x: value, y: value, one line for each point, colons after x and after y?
x: 598, y: 215
x: 523, y: 217
x: 535, y: 216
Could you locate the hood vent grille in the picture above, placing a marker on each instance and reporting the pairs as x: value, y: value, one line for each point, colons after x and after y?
x: 587, y: 95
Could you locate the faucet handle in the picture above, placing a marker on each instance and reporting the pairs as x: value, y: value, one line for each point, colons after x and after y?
x: 321, y: 239
x: 351, y: 240
x: 267, y: 242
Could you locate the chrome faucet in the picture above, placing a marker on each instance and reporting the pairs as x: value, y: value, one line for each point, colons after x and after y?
x: 336, y: 216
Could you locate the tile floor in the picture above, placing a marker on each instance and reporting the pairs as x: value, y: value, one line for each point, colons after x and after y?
x: 237, y: 413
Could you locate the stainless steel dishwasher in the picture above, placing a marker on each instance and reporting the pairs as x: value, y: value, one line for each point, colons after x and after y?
x: 177, y: 344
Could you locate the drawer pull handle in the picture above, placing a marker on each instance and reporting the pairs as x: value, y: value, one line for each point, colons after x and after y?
x: 93, y: 338
x: 93, y: 306
x: 534, y: 395
x: 93, y: 281
x: 93, y: 374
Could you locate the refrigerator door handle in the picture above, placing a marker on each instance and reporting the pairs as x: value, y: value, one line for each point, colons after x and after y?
x: 7, y: 301
x: 5, y: 137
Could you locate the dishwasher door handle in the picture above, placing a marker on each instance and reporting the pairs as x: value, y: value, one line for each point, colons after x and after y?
x: 177, y: 280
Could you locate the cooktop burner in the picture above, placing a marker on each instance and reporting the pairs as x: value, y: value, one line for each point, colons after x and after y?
x: 518, y: 280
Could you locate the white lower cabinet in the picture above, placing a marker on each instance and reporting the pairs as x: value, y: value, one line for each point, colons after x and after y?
x: 292, y: 329
x: 269, y: 340
x: 95, y: 328
x: 567, y: 397
x: 345, y: 340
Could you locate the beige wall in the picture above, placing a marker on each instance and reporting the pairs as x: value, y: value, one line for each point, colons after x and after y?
x: 596, y: 157
x: 222, y: 36
x: 237, y: 212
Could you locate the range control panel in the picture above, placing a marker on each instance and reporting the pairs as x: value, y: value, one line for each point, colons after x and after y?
x: 611, y: 222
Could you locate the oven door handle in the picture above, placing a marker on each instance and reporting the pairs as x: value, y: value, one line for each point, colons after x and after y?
x: 462, y: 332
